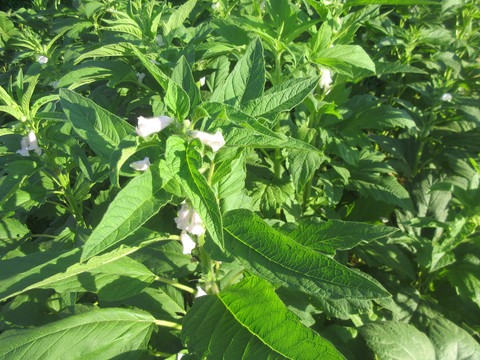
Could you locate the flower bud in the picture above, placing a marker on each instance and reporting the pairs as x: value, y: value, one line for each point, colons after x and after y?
x: 214, y: 141
x: 141, y: 165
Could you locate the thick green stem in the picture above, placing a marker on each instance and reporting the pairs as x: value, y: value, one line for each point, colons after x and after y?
x: 168, y: 324
x: 175, y: 284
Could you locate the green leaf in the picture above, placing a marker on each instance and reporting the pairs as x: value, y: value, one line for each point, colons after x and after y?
x: 345, y: 59
x: 283, y: 97
x: 182, y: 76
x: 350, y: 3
x: 184, y: 160
x: 281, y: 260
x: 382, y: 118
x: 101, y: 129
x: 385, y: 189
x: 249, y: 321
x: 64, y: 272
x: 452, y: 342
x: 302, y: 164
x: 177, y: 101
x: 384, y: 68
x: 137, y: 202
x: 154, y: 70
x: 179, y: 16
x: 397, y: 340
x: 246, y: 81
x: 98, y: 334
x: 117, y: 49
x: 329, y: 236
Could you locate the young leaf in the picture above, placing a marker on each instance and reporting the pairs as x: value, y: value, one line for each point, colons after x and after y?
x: 302, y: 164
x: 281, y: 260
x: 249, y: 321
x: 97, y: 334
x: 101, y: 129
x: 137, y: 202
x: 177, y: 101
x: 247, y: 80
x: 179, y: 16
x: 182, y: 76
x: 397, y: 340
x: 184, y: 161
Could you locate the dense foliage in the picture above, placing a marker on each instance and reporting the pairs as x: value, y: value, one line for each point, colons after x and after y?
x: 240, y: 180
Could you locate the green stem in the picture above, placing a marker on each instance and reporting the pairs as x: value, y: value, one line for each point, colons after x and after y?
x: 175, y: 284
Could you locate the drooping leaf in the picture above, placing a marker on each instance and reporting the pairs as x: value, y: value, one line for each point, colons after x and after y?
x: 184, y: 160
x: 281, y: 260
x: 137, y: 202
x: 101, y: 129
x: 397, y: 340
x: 98, y: 334
x: 249, y: 321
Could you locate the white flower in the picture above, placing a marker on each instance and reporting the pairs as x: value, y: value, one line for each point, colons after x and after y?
x: 28, y: 143
x: 200, y: 292
x: 262, y: 5
x: 214, y: 141
x: 326, y: 79
x: 42, y: 59
x: 189, y: 220
x: 446, y: 97
x: 141, y: 165
x: 55, y: 84
x: 202, y: 81
x: 154, y: 62
x: 383, y: 220
x: 187, y: 243
x: 179, y: 356
x: 148, y: 126
x: 216, y: 6
x: 140, y: 77
x: 159, y: 40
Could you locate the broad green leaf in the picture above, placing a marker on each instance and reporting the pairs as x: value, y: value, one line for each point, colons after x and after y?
x: 11, y: 232
x: 249, y: 321
x: 101, y: 129
x: 15, y: 174
x: 182, y: 76
x: 137, y: 202
x: 382, y: 118
x: 247, y: 80
x: 302, y: 164
x: 383, y: 68
x: 184, y: 160
x: 179, y: 16
x: 344, y: 59
x: 397, y: 340
x: 451, y: 342
x: 98, y: 334
x: 386, y: 189
x: 329, y: 236
x: 281, y: 260
x: 283, y: 97
x: 64, y: 272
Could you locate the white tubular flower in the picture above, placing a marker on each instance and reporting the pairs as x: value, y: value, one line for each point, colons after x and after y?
x: 262, y: 5
x: 42, y: 59
x: 189, y: 220
x: 179, y: 356
x: 187, y: 243
x: 326, y: 79
x: 140, y: 77
x: 202, y: 81
x: 214, y: 141
x: 446, y: 97
x: 28, y: 143
x: 159, y: 40
x: 141, y: 165
x: 200, y: 292
x: 216, y: 6
x: 148, y: 126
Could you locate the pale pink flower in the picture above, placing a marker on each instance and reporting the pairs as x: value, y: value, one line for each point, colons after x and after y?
x: 187, y: 243
x: 148, y: 126
x: 189, y: 220
x: 141, y: 165
x: 215, y: 141
x: 28, y: 143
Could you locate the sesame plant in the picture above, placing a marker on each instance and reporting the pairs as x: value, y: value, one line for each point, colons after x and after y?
x: 240, y: 180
